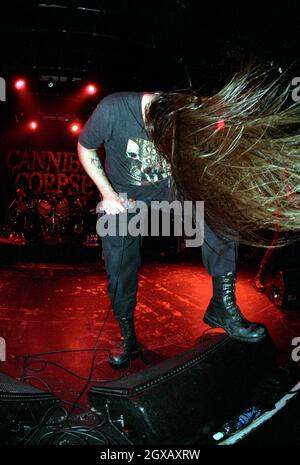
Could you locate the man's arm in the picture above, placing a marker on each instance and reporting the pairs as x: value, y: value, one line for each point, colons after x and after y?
x: 111, y: 202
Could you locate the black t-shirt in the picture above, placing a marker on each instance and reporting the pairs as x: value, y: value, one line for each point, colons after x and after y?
x: 132, y: 163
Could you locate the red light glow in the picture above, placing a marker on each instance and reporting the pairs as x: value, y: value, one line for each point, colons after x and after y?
x: 91, y: 89
x: 75, y: 128
x: 33, y: 125
x: 20, y: 84
x: 220, y: 124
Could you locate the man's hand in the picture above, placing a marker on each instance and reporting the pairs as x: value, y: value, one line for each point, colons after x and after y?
x: 112, y: 204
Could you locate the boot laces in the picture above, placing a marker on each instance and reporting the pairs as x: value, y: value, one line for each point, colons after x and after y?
x: 127, y: 333
x: 230, y: 300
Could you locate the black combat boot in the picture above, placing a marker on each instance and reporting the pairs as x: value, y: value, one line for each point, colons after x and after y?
x: 128, y: 349
x: 223, y: 312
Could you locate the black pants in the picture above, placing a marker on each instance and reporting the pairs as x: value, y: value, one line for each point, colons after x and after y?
x: 122, y: 260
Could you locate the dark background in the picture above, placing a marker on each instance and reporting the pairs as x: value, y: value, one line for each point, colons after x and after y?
x: 127, y: 45
x: 131, y: 44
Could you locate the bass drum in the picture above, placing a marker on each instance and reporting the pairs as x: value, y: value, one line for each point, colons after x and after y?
x: 29, y: 226
x: 20, y: 205
x: 44, y: 207
x: 62, y: 209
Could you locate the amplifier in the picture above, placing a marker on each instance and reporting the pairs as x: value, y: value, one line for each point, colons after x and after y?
x: 182, y: 399
x: 22, y: 404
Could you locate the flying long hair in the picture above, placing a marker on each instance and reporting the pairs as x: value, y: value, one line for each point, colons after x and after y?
x: 237, y: 150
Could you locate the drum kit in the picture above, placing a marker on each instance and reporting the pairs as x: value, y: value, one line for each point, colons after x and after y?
x: 52, y: 218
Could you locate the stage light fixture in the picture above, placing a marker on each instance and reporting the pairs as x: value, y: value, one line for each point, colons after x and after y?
x: 33, y: 125
x: 75, y: 127
x: 20, y: 84
x: 91, y: 89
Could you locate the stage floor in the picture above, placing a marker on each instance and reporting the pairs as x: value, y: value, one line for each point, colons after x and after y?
x: 60, y: 308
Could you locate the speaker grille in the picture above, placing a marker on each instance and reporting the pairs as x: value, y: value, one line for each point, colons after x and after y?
x: 10, y: 385
x: 156, y: 374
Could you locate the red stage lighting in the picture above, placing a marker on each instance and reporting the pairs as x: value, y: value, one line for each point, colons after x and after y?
x: 221, y: 124
x: 75, y: 127
x: 33, y: 125
x: 91, y: 89
x: 20, y: 84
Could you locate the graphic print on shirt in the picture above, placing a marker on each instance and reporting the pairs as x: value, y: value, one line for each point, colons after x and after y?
x: 145, y: 164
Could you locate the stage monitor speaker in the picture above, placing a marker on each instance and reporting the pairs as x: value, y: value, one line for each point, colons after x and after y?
x: 284, y: 289
x: 183, y: 399
x: 22, y: 405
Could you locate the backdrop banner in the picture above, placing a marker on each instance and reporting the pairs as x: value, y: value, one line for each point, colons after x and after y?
x: 45, y: 171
